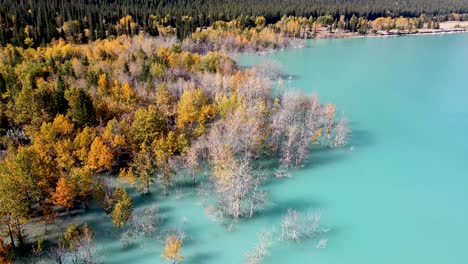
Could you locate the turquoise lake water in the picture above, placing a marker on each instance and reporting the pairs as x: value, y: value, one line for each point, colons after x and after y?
x: 396, y: 194
x: 400, y: 195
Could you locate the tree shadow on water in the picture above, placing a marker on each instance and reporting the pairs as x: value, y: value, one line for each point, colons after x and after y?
x: 200, y: 257
x: 360, y: 139
x: 322, y: 155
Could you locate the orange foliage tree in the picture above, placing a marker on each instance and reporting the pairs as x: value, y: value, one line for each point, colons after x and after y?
x: 172, y: 248
x: 64, y: 194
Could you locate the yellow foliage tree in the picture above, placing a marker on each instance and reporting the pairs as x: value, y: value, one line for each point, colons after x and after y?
x: 147, y: 125
x: 193, y: 112
x: 164, y: 99
x: 172, y: 248
x: 128, y: 95
x: 65, y: 158
x: 64, y: 194
x: 82, y: 180
x: 100, y: 156
x: 103, y: 85
x: 82, y: 143
x: 142, y: 172
x: 123, y: 208
x: 163, y: 149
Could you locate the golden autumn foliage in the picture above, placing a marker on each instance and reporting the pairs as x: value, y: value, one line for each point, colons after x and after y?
x: 64, y: 149
x: 147, y: 124
x: 64, y: 193
x: 123, y: 207
x: 193, y: 112
x: 82, y: 143
x: 164, y: 100
x: 100, y: 156
x: 164, y: 148
x: 142, y: 172
x: 103, y: 85
x: 82, y: 180
x: 227, y: 104
x: 172, y: 248
x: 75, y: 235
x: 146, y: 108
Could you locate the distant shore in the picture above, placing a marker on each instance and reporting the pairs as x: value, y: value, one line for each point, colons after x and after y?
x: 449, y: 27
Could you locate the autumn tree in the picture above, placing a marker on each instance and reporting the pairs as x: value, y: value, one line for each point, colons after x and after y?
x: 100, y: 156
x: 64, y: 194
x: 77, y: 246
x: 82, y: 143
x: 115, y: 135
x: 103, y: 85
x: 148, y: 124
x: 260, y: 22
x: 164, y: 148
x: 165, y: 100
x: 123, y: 207
x: 172, y: 248
x: 193, y: 112
x: 142, y: 171
x: 14, y: 208
x: 18, y: 192
x: 83, y: 182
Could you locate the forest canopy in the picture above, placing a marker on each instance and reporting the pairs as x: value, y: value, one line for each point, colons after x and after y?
x: 38, y: 22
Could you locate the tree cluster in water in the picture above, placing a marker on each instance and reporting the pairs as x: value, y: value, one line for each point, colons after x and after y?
x: 145, y: 109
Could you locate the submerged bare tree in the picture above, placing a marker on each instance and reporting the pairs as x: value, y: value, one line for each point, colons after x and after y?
x: 269, y: 68
x: 300, y: 120
x: 194, y: 158
x: 290, y: 227
x: 294, y: 122
x: 57, y: 255
x: 241, y: 194
x: 77, y: 245
x: 296, y: 226
x: 236, y: 179
x: 262, y: 249
x: 144, y: 222
x: 253, y: 125
x: 340, y: 133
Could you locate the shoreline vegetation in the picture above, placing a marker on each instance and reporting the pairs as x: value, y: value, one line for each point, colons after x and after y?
x: 290, y: 32
x: 448, y: 27
x: 89, y: 113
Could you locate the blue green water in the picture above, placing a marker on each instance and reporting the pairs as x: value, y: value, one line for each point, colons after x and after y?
x: 400, y: 196
x: 396, y: 194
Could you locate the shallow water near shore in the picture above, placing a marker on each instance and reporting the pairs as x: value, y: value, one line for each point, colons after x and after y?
x: 396, y: 194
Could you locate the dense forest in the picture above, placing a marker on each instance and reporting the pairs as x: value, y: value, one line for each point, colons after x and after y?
x: 37, y: 22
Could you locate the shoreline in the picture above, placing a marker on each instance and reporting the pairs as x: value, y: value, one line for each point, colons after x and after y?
x: 382, y: 34
x: 300, y: 42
